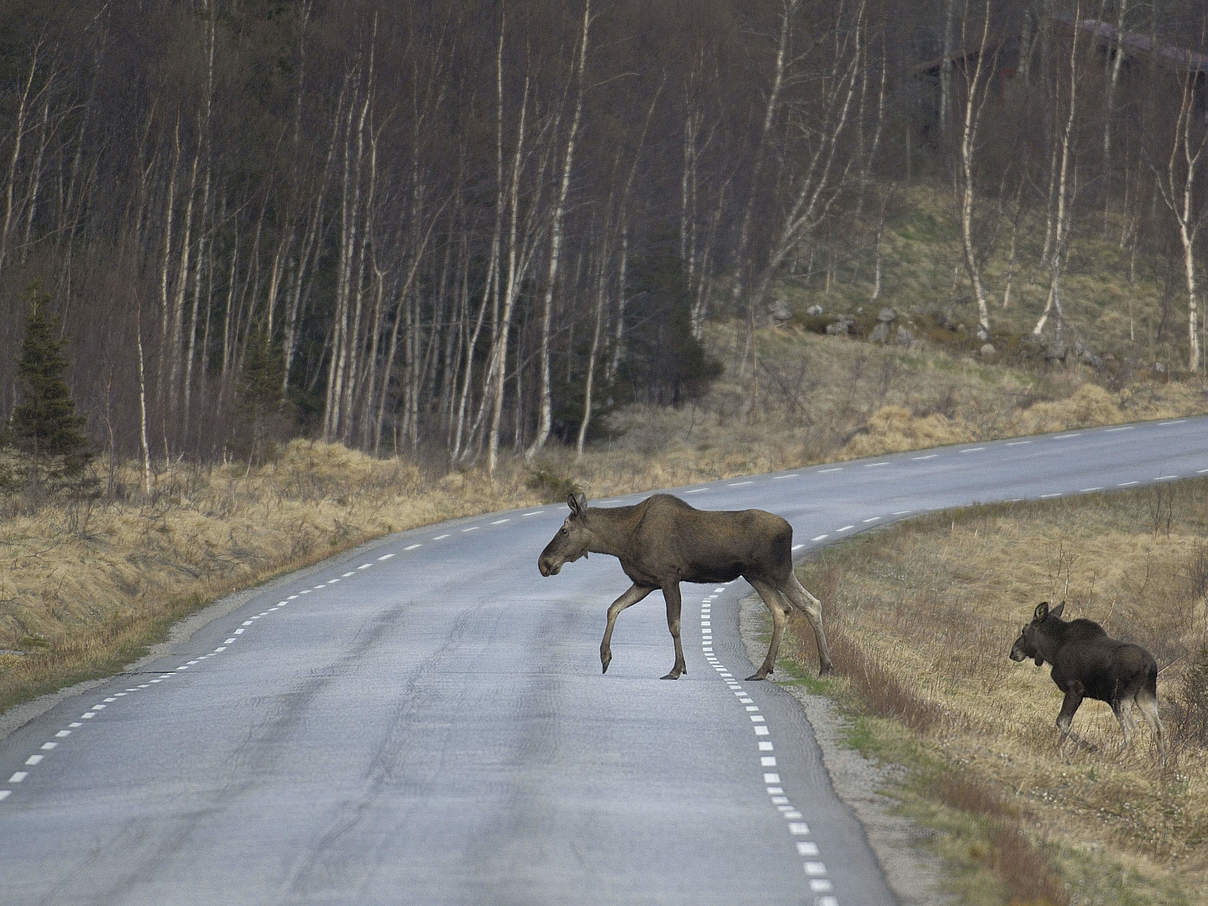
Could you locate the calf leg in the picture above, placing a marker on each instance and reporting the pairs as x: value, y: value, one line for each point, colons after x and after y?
x: 628, y: 599
x: 812, y: 608
x: 1122, y: 708
x: 1148, y: 703
x: 671, y: 593
x: 1073, y: 698
x: 779, y: 610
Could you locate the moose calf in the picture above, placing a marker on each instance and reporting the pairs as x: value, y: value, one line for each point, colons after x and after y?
x: 1089, y: 663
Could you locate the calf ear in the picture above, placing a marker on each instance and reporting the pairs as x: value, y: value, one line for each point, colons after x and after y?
x: 577, y: 504
x: 1056, y: 611
x: 1042, y: 611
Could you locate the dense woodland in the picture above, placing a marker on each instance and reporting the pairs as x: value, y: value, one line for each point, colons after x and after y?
x: 467, y: 228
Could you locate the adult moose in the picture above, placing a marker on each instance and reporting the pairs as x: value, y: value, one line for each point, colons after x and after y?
x: 663, y: 541
x: 1088, y: 663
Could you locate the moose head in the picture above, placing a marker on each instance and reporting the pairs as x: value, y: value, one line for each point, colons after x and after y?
x: 1029, y: 643
x: 571, y: 541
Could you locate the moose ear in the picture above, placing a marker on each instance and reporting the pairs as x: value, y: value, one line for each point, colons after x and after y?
x: 1042, y: 611
x: 1056, y: 611
x: 577, y: 503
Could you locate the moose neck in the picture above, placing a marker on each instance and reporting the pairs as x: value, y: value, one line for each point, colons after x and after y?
x: 611, y: 529
x: 1050, y: 638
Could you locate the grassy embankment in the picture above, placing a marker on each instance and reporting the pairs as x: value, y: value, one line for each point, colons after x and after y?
x: 921, y: 617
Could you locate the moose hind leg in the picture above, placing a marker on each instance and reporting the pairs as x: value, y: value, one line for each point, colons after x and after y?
x: 1122, y: 708
x: 672, y: 594
x: 812, y: 608
x: 777, y: 607
x: 1148, y: 703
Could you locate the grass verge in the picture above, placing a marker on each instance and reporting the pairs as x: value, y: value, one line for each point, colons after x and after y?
x: 919, y: 635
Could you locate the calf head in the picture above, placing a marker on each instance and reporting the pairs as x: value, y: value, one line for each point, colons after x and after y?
x: 570, y: 543
x: 1029, y: 644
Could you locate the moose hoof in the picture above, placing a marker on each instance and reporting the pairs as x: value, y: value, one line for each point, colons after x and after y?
x: 826, y: 669
x: 671, y: 675
x: 756, y: 676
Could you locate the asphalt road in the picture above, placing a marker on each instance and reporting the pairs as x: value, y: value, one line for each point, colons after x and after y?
x: 424, y: 721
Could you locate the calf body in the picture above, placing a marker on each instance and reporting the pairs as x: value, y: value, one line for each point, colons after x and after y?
x: 663, y: 541
x: 1088, y: 663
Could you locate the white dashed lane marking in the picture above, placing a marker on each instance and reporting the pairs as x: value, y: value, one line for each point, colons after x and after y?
x: 806, y: 849
x: 48, y: 747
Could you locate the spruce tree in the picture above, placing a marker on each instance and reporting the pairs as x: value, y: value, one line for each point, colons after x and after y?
x: 259, y: 412
x: 44, y: 425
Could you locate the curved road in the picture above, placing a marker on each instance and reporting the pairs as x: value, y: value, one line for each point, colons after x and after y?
x: 424, y: 721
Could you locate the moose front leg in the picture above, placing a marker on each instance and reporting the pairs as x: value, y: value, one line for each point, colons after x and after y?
x: 1069, y: 706
x: 628, y: 599
x: 672, y: 594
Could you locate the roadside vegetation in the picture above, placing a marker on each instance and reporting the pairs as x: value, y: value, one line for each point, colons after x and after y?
x: 921, y: 618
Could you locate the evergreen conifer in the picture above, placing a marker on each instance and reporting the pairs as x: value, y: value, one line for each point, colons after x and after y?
x: 44, y: 425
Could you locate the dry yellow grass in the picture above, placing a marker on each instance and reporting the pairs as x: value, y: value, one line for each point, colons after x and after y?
x: 81, y: 586
x: 938, y: 608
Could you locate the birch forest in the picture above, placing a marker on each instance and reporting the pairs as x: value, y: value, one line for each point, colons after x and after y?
x: 465, y: 229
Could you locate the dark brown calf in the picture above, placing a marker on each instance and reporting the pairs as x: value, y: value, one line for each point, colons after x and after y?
x: 1087, y: 663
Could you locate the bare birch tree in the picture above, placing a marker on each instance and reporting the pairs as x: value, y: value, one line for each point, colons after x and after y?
x: 1063, y: 187
x: 1177, y: 185
x: 545, y: 405
x: 977, y: 71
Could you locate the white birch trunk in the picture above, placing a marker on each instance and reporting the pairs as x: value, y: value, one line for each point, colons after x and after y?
x: 1064, y: 191
x: 545, y: 403
x: 23, y: 104
x: 975, y: 98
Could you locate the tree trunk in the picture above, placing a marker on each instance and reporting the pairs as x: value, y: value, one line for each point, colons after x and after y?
x: 545, y: 405
x: 1177, y: 186
x: 975, y: 98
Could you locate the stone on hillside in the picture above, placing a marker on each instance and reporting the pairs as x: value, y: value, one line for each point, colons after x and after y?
x: 840, y: 327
